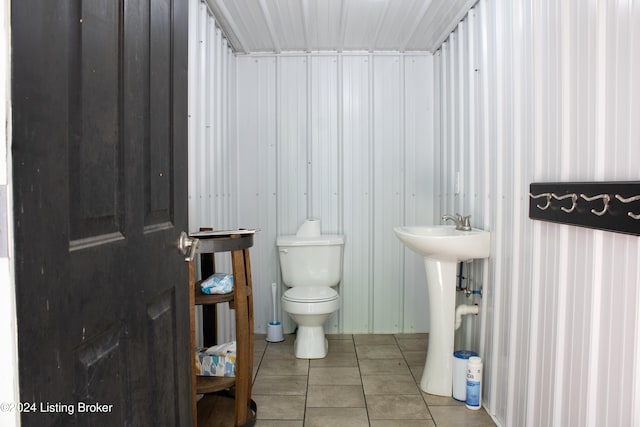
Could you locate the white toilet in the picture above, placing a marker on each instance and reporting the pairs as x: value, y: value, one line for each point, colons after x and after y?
x: 311, y: 266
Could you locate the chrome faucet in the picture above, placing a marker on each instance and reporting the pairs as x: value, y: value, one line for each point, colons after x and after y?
x: 462, y: 222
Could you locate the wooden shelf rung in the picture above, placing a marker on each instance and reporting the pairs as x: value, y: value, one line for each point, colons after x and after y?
x: 213, y: 384
x: 206, y: 299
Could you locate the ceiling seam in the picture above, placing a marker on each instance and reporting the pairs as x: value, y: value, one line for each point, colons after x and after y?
x: 269, y: 21
x: 222, y: 13
x: 305, y: 25
x: 376, y: 35
x: 414, y: 27
x: 343, y: 25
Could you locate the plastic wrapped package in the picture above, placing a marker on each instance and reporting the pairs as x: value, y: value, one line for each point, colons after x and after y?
x: 218, y: 283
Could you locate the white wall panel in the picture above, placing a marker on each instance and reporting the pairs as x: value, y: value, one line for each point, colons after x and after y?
x: 342, y: 155
x: 293, y: 142
x: 419, y: 186
x: 325, y: 161
x: 256, y: 181
x: 544, y: 91
x: 388, y: 194
x: 357, y: 122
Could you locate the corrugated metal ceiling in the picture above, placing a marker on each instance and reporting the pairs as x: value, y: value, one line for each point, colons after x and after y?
x: 260, y: 26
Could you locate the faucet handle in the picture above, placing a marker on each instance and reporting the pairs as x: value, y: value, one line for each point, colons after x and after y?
x: 466, y: 224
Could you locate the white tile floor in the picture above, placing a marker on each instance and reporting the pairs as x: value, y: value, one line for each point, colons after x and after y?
x: 365, y: 380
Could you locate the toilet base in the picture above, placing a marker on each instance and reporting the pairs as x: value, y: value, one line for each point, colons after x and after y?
x: 310, y: 343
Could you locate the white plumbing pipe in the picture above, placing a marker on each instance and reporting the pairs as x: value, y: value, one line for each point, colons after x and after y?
x: 463, y: 310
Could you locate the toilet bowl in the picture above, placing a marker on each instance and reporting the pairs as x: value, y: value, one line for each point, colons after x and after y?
x: 310, y: 308
x: 311, y: 266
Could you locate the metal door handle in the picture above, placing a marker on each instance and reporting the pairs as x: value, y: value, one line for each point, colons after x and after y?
x: 188, y: 246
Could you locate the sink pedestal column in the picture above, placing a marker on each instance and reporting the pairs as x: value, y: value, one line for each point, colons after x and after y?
x: 441, y: 285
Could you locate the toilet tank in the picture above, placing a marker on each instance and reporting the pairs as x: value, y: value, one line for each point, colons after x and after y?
x: 311, y: 261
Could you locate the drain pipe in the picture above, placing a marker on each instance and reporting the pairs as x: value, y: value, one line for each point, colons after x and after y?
x: 463, y: 310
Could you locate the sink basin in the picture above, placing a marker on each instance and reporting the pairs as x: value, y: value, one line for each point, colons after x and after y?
x: 442, y: 247
x: 444, y: 242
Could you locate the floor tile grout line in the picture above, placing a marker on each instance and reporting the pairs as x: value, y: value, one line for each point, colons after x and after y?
x: 259, y: 364
x: 364, y: 395
x: 306, y: 393
x: 422, y: 395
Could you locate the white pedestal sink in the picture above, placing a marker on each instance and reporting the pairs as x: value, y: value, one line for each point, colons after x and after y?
x: 442, y: 247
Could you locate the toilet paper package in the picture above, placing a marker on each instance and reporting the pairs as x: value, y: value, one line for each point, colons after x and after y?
x: 218, y: 283
x: 217, y: 361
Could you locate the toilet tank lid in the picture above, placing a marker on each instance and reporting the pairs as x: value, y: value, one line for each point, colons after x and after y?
x: 322, y: 240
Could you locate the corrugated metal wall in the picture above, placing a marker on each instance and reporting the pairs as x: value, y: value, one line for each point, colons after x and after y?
x: 213, y: 161
x: 547, y: 91
x: 345, y: 138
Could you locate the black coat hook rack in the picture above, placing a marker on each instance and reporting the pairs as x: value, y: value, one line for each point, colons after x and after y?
x: 612, y: 206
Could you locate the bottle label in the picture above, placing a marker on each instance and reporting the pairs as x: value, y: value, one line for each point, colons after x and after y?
x: 473, y: 393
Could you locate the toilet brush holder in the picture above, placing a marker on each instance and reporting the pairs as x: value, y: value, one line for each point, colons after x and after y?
x: 274, y: 332
x: 274, y: 329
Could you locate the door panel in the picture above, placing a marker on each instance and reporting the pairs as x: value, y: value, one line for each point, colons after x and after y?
x: 158, y: 147
x: 99, y: 161
x: 95, y: 111
x: 163, y: 375
x: 101, y: 368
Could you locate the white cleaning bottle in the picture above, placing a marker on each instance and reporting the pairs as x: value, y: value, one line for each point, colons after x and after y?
x: 474, y: 383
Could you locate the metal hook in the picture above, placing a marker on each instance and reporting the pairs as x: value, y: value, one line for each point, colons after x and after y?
x: 629, y: 200
x: 547, y: 195
x: 605, y: 199
x: 574, y: 199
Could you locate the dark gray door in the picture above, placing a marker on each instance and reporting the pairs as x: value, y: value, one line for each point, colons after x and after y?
x: 99, y: 163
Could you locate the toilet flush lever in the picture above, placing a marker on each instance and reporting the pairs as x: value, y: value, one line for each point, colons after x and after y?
x: 284, y: 251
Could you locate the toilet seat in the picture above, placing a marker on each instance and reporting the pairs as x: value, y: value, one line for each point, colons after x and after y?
x: 310, y: 294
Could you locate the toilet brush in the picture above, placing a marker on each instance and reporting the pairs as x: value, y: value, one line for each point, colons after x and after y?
x: 274, y: 329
